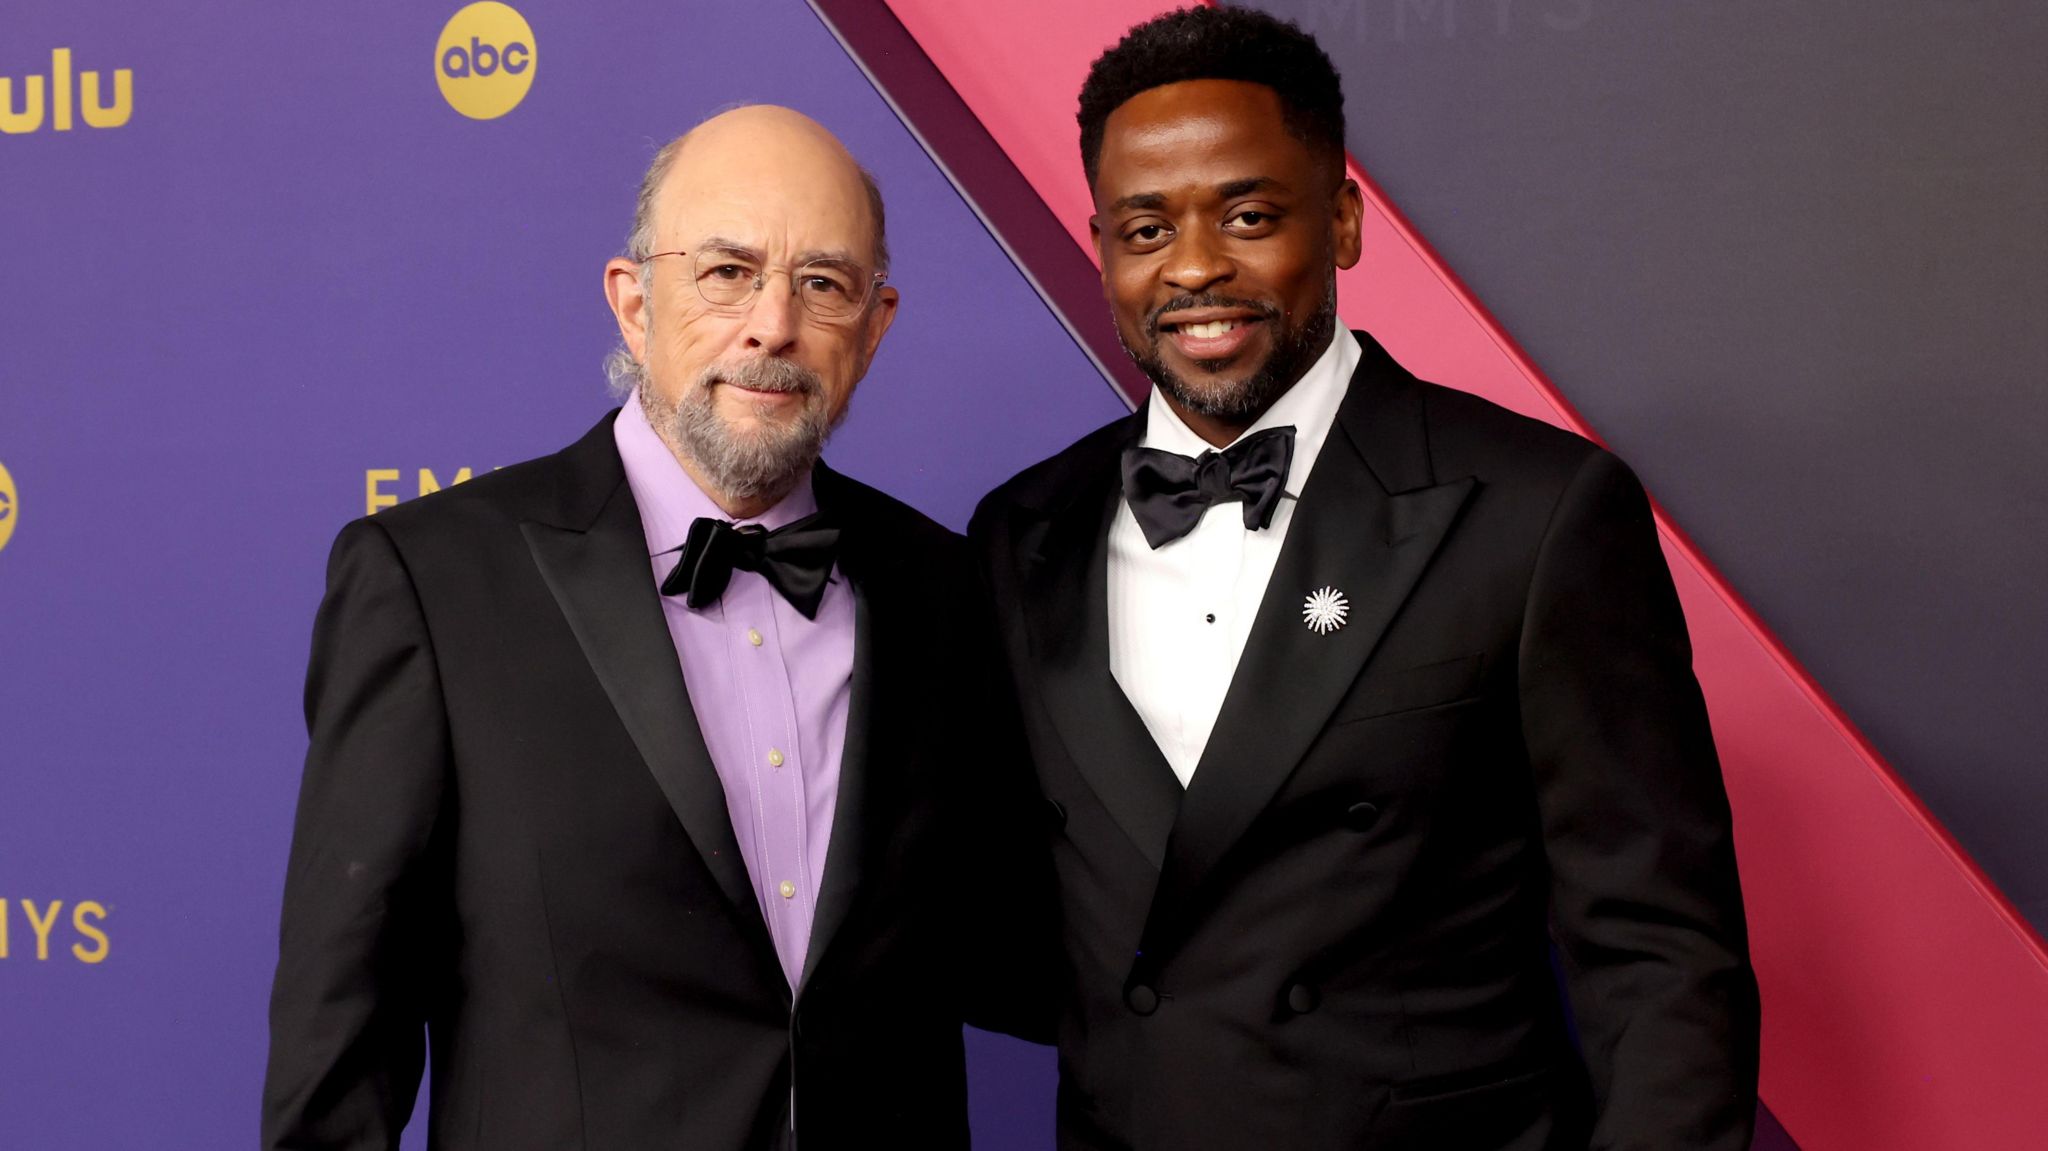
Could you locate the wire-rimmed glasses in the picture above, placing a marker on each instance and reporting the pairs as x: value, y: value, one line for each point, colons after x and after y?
x: 728, y: 277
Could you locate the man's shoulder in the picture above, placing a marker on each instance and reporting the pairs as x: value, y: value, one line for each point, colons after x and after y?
x: 1469, y: 434
x: 1055, y: 481
x: 551, y: 487
x: 886, y: 520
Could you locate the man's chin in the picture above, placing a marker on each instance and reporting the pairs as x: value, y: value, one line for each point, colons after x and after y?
x: 736, y: 404
x: 754, y: 427
x: 1210, y: 389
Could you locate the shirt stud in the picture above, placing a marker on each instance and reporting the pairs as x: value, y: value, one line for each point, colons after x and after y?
x: 774, y: 757
x: 753, y: 637
x: 787, y: 889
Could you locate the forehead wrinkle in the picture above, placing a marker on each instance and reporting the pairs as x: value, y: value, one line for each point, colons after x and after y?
x: 784, y: 182
x: 809, y: 256
x: 722, y: 244
x: 825, y: 256
x: 767, y: 227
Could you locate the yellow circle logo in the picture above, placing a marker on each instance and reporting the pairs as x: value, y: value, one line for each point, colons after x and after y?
x: 485, y: 60
x: 10, y: 507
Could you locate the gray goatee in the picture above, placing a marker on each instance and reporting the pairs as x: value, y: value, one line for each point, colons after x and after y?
x: 762, y: 462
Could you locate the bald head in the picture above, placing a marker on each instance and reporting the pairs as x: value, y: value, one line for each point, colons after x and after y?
x: 750, y: 301
x: 751, y: 150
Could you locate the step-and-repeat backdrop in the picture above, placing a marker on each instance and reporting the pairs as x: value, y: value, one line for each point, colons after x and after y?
x: 268, y: 267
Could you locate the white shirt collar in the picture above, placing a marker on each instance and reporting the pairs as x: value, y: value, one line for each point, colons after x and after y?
x: 1310, y: 406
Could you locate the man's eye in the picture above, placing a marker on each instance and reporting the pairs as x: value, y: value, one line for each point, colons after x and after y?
x: 1251, y: 219
x: 1146, y: 233
x: 827, y: 285
x: 727, y: 272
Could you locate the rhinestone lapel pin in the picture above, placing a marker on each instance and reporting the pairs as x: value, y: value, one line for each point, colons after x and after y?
x: 1324, y: 610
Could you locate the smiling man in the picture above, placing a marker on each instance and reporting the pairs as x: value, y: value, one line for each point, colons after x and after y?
x: 1355, y: 699
x: 666, y: 783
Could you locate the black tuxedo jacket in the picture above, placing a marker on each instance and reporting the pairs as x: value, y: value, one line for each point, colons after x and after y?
x: 1339, y: 935
x: 510, y: 835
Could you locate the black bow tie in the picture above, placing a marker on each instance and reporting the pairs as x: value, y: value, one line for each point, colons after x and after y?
x: 795, y: 558
x: 1168, y: 492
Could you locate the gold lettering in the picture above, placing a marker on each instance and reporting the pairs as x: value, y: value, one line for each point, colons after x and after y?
x: 3, y: 929
x: 60, y: 89
x: 30, y: 117
x: 43, y: 925
x: 107, y: 115
x: 375, y: 498
x: 78, y: 915
x: 428, y: 483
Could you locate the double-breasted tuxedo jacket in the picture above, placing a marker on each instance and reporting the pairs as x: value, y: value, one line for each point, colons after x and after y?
x: 511, y: 835
x: 1339, y: 935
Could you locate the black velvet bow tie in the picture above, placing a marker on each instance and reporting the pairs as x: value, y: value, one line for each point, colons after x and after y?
x: 796, y: 559
x: 1168, y: 492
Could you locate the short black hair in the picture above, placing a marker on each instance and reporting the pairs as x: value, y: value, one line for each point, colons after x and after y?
x: 1217, y: 44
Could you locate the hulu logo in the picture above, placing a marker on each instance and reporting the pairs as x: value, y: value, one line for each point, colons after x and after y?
x: 24, y: 102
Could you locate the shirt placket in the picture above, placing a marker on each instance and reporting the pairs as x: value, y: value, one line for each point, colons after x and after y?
x: 1223, y: 556
x: 775, y: 771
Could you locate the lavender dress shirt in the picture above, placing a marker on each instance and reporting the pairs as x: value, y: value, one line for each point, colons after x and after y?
x: 770, y: 688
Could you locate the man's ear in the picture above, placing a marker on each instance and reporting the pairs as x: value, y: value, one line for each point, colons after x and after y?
x: 628, y: 302
x: 1347, y: 223
x: 881, y: 314
x: 1095, y: 238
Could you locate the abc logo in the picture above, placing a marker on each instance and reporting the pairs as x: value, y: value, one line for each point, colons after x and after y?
x: 484, y: 61
x: 10, y: 505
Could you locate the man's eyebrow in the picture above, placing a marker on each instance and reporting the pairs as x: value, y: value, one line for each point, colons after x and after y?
x: 1144, y: 200
x: 729, y: 247
x: 1249, y: 185
x: 825, y: 256
x: 1153, y: 201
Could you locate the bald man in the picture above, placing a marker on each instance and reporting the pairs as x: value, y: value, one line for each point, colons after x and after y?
x: 665, y: 783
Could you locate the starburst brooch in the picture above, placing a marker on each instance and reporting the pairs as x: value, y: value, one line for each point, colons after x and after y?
x: 1324, y: 611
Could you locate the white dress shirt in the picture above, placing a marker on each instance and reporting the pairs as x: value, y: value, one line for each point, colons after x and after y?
x: 1179, y: 615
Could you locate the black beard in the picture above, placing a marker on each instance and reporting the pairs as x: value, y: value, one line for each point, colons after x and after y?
x: 1293, y: 352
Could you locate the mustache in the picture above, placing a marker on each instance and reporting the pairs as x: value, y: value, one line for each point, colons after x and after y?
x: 1207, y: 300
x: 763, y: 374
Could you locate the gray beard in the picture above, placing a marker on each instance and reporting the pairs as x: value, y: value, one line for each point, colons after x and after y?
x: 762, y: 464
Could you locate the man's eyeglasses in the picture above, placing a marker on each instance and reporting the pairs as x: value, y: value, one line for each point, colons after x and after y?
x: 729, y: 278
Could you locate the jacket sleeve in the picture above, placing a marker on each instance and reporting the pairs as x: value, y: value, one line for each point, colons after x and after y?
x: 1646, y: 907
x: 1014, y: 984
x: 365, y: 897
x: 1014, y: 988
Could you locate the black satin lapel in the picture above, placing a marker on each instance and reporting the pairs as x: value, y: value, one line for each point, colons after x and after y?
x: 602, y: 582
x: 1347, y: 534
x: 1066, y: 602
x: 847, y: 852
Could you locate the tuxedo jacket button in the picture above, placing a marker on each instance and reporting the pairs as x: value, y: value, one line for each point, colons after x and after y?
x: 1361, y: 816
x: 1301, y: 999
x: 1141, y: 999
x: 1055, y: 814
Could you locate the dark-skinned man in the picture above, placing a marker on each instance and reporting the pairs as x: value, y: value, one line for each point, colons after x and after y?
x: 1354, y: 699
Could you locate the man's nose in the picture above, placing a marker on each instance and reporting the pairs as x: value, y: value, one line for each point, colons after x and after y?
x: 1199, y: 262
x: 773, y: 315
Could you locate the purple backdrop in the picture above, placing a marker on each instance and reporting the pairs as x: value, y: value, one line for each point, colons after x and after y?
x: 294, y: 265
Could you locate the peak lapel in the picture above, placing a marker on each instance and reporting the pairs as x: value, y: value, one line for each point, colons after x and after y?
x: 1369, y: 521
x: 600, y: 579
x: 879, y: 619
x: 1066, y: 604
